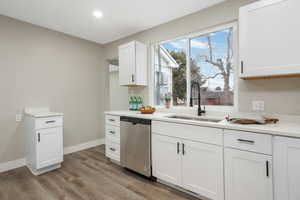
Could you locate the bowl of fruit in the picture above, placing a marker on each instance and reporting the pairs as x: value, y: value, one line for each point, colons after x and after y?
x: 147, y: 110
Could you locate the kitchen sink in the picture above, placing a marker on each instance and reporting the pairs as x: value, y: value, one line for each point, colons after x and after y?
x: 195, y: 118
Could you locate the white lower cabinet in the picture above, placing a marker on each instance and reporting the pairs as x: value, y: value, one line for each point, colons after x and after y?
x: 248, y: 176
x: 194, y: 166
x: 286, y: 168
x: 202, y: 169
x: 217, y: 164
x: 166, y: 159
x: 112, y: 137
x: 44, y: 143
x: 49, y: 147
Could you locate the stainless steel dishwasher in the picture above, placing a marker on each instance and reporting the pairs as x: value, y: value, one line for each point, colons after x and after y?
x: 136, y: 145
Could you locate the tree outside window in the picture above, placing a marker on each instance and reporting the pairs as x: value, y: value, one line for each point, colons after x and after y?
x: 211, y: 64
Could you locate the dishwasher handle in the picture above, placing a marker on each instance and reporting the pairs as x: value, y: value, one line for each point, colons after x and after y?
x: 135, y: 121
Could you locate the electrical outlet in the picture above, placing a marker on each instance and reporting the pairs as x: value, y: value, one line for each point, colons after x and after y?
x: 255, y: 106
x: 261, y: 106
x: 18, y: 117
x: 258, y: 106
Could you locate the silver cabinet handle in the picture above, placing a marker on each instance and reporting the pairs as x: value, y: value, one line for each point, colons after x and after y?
x: 246, y: 141
x: 178, y: 147
x: 242, y: 67
x: 183, y: 150
x: 112, y: 132
x: 112, y: 120
x: 39, y: 137
x: 132, y: 78
x: 50, y: 122
x: 112, y: 149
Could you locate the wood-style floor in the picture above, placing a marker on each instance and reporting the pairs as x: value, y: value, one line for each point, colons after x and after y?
x: 85, y: 175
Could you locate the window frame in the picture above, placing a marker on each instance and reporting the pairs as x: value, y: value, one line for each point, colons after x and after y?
x: 188, y: 37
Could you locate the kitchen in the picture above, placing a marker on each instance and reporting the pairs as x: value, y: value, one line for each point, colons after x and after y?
x: 203, y: 70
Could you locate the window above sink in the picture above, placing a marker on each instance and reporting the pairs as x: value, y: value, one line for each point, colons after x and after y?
x: 176, y: 63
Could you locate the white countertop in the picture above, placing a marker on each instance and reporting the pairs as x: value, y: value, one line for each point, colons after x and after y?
x: 283, y: 128
x: 41, y: 112
x: 45, y: 114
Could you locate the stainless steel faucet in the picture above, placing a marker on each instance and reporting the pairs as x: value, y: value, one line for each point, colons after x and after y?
x: 200, y: 111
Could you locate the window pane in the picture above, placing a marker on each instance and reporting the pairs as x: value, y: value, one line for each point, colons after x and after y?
x: 212, y: 67
x: 170, y: 72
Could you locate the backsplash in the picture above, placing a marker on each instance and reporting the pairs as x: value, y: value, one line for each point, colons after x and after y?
x: 285, y: 91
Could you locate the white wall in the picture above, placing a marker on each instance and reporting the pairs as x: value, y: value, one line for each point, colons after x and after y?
x: 39, y: 67
x: 280, y: 96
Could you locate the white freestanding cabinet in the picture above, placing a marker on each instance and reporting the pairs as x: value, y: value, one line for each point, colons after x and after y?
x: 133, y: 64
x: 44, y: 140
x: 248, y: 175
x: 269, y: 38
x: 286, y: 168
x: 49, y: 147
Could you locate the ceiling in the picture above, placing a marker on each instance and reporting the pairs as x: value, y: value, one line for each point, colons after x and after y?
x: 120, y: 17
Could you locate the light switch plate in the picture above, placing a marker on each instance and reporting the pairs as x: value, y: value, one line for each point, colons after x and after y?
x: 18, y: 117
x: 261, y: 106
x: 255, y: 106
x: 258, y: 106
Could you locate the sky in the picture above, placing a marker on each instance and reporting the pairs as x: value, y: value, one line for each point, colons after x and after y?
x: 199, y: 47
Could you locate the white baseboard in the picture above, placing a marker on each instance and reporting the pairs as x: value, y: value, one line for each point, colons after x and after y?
x: 83, y: 146
x: 12, y: 164
x: 67, y: 150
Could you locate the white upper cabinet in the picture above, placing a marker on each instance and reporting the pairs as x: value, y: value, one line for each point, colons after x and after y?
x: 286, y: 168
x: 269, y: 38
x: 133, y: 64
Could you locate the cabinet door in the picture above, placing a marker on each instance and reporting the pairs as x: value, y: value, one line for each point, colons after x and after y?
x: 49, y: 147
x: 202, y: 169
x: 127, y: 63
x: 286, y: 168
x: 269, y: 38
x: 166, y: 159
x: 248, y: 176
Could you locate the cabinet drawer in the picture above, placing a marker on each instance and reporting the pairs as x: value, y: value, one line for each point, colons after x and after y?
x: 248, y: 141
x: 189, y: 132
x: 112, y: 120
x: 48, y: 122
x: 112, y: 150
x: 112, y: 133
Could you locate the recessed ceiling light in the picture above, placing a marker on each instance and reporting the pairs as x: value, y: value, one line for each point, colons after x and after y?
x: 98, y: 14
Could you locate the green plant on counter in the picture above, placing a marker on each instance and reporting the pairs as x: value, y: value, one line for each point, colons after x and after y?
x: 168, y: 97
